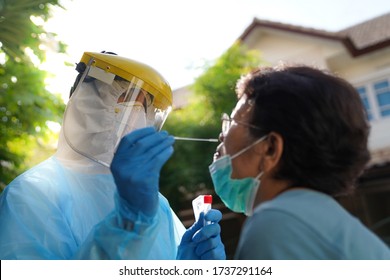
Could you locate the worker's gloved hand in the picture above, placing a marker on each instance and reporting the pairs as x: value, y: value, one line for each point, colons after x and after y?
x: 201, y: 242
x: 136, y: 168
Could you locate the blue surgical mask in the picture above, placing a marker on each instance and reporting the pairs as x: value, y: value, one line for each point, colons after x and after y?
x: 237, y: 194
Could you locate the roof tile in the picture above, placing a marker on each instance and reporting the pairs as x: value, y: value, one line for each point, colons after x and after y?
x: 370, y: 32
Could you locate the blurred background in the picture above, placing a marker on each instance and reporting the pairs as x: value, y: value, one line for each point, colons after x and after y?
x: 201, y: 47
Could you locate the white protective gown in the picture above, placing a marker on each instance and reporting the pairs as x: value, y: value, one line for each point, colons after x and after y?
x: 67, y: 207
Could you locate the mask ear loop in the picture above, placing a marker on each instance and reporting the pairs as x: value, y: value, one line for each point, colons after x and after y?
x: 259, y: 176
x: 250, y: 146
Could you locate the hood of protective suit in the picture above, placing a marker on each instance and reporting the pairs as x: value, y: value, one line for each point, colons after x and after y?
x: 112, y: 96
x: 95, y: 121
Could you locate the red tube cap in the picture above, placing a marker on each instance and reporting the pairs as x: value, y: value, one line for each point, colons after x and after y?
x: 208, y: 198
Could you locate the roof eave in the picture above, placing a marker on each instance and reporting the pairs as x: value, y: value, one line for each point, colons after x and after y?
x: 345, y: 40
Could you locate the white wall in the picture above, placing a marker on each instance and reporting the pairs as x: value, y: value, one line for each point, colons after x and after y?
x: 276, y: 46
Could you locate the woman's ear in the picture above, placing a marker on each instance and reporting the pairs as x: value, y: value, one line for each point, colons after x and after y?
x: 271, y: 150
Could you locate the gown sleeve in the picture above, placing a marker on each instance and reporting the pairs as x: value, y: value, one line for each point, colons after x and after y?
x: 36, y: 223
x: 127, y: 235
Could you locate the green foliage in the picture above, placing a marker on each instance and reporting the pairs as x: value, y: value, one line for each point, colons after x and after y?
x: 17, y: 31
x: 25, y: 104
x: 217, y: 84
x: 186, y: 173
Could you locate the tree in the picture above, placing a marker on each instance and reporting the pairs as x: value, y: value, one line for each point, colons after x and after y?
x: 216, y: 86
x: 186, y: 173
x: 25, y: 105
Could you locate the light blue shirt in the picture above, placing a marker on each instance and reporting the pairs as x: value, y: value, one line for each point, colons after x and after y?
x: 305, y: 224
x: 52, y: 212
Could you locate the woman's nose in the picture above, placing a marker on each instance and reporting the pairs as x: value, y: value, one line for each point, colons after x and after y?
x: 221, y: 137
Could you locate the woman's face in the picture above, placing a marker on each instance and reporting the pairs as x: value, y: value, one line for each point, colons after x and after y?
x: 238, y: 138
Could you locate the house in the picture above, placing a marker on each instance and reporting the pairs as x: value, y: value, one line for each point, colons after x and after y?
x: 360, y: 54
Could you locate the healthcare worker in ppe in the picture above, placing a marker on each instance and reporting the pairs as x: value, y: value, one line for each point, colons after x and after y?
x: 296, y: 139
x: 98, y: 196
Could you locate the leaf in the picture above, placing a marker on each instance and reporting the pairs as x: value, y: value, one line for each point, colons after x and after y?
x: 25, y: 104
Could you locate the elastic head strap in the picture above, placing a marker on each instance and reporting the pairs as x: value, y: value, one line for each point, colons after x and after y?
x: 80, y: 67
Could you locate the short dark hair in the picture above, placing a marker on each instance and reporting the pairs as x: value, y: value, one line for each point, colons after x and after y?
x: 321, y: 119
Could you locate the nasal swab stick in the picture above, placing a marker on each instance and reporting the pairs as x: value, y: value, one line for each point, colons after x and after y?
x: 195, y: 139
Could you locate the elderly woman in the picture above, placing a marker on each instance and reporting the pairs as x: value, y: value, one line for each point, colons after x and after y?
x: 296, y: 139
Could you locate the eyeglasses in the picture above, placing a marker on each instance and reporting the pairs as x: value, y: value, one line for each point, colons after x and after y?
x: 227, y: 123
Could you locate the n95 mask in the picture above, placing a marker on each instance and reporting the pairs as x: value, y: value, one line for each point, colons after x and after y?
x: 136, y: 119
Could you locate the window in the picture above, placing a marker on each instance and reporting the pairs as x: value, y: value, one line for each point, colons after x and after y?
x: 375, y: 96
x: 382, y: 92
x: 366, y: 103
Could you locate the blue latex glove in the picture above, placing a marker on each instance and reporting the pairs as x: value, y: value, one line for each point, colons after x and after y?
x: 201, y: 242
x: 136, y: 168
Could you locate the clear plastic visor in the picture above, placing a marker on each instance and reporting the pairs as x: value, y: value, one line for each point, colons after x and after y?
x: 104, y: 108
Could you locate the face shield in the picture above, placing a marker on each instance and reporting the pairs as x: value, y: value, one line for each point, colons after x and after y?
x: 105, y: 106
